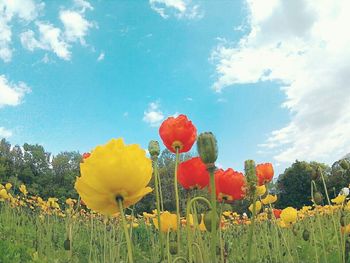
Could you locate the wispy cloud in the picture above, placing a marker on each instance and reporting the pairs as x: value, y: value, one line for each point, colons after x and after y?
x: 11, y: 94
x: 101, y: 56
x: 305, y: 46
x: 153, y: 115
x: 181, y: 9
x: 43, y: 35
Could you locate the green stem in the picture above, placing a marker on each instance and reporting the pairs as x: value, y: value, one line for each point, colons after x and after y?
x: 213, y: 214
x: 188, y: 211
x: 126, y: 233
x: 177, y: 200
x: 156, y: 183
x: 251, y: 230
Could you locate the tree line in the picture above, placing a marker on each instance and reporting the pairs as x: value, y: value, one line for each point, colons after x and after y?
x: 48, y: 175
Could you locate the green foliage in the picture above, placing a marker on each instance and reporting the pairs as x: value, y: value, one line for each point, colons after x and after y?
x: 294, y: 185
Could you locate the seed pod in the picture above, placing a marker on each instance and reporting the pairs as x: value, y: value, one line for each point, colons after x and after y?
x: 207, y: 147
x: 306, y: 235
x: 173, y: 247
x: 344, y: 164
x: 207, y: 220
x: 318, y: 198
x: 66, y: 244
x: 153, y: 148
x: 314, y: 175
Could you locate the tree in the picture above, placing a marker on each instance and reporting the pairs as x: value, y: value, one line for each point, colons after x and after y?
x: 340, y: 175
x: 294, y: 185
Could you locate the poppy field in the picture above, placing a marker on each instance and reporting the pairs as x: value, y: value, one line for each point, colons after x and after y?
x: 102, y: 224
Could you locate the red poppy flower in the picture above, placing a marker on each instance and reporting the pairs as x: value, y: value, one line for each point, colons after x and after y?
x: 264, y: 172
x: 86, y: 155
x: 277, y: 213
x: 178, y: 132
x: 230, y: 185
x: 193, y: 174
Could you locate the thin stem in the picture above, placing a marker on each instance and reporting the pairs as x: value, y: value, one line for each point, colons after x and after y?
x: 126, y: 233
x: 251, y: 230
x: 177, y: 200
x: 213, y: 214
x: 156, y: 183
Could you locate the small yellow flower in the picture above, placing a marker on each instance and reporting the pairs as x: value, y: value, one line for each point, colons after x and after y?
x: 8, y: 186
x: 168, y: 222
x: 339, y: 199
x: 3, y: 195
x: 269, y: 199
x: 257, y: 207
x: 114, y: 171
x: 23, y: 189
x: 261, y: 190
x: 289, y: 215
x: 70, y: 202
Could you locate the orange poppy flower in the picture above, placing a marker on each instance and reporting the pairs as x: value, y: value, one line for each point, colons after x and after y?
x: 193, y: 174
x: 277, y: 213
x: 264, y: 172
x: 179, y: 133
x: 230, y: 185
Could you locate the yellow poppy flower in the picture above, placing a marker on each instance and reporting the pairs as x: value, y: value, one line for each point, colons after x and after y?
x: 289, y: 215
x: 257, y: 207
x: 269, y: 199
x: 3, y: 195
x: 8, y: 186
x: 112, y: 171
x: 339, y: 199
x: 23, y: 189
x: 168, y: 222
x: 261, y: 190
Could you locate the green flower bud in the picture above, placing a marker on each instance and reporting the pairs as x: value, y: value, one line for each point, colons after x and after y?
x: 342, y: 221
x: 344, y: 164
x: 315, y: 174
x: 207, y: 220
x: 207, y: 147
x: 66, y: 244
x: 318, y: 198
x: 306, y: 234
x: 153, y: 148
x: 173, y: 247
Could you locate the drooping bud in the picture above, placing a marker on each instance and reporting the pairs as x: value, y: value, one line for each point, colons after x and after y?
x: 342, y: 221
x: 207, y: 220
x: 173, y: 247
x: 314, y: 174
x: 207, y: 147
x: 153, y: 148
x: 306, y: 234
x: 66, y: 244
x: 344, y: 164
x: 318, y: 198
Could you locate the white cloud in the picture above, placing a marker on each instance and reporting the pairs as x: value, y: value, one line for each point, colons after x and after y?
x: 75, y: 26
x: 11, y: 94
x: 153, y: 115
x: 4, y: 133
x: 45, y: 36
x: 305, y: 46
x: 178, y: 8
x: 101, y: 56
x: 25, y: 10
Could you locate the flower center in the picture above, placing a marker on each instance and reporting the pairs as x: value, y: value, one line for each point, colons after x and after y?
x: 177, y: 145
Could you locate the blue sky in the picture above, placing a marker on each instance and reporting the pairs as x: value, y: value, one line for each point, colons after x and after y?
x: 76, y: 73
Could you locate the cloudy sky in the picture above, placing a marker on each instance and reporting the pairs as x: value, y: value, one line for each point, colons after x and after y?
x: 270, y: 78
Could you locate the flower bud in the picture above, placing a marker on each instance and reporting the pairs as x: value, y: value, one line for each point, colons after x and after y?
x: 314, y: 174
x: 344, y: 164
x: 207, y: 147
x: 306, y: 234
x: 66, y: 244
x: 207, y: 220
x: 318, y: 198
x: 173, y: 247
x: 153, y: 148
